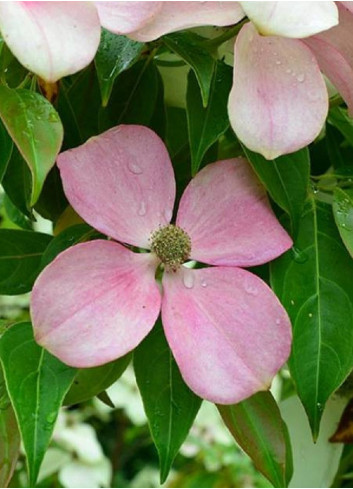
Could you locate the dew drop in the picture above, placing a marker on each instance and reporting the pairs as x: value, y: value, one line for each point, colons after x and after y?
x: 142, y: 209
x: 250, y: 289
x: 134, y: 168
x: 278, y: 321
x: 301, y: 77
x: 278, y: 62
x: 204, y: 283
x: 292, y: 302
x: 288, y: 70
x: 188, y: 280
x: 310, y: 314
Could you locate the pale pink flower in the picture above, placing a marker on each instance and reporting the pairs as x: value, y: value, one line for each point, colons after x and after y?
x: 97, y: 300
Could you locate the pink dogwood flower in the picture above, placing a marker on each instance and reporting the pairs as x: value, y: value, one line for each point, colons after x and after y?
x: 97, y: 300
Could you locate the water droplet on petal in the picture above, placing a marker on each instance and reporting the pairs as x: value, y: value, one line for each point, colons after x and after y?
x: 204, y: 283
x: 188, y: 280
x: 301, y: 77
x: 278, y: 62
x: 134, y: 168
x: 288, y: 70
x: 250, y: 289
x: 142, y: 209
x: 278, y: 321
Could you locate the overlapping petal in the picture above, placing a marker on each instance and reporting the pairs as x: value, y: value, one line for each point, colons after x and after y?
x: 333, y: 50
x: 278, y: 102
x: 175, y: 16
x: 121, y: 182
x: 226, y: 213
x: 52, y: 39
x: 227, y: 330
x: 291, y: 19
x: 95, y: 302
x: 126, y: 17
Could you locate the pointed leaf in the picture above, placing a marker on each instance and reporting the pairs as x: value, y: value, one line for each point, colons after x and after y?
x: 17, y: 183
x: 258, y: 428
x: 287, y: 181
x: 9, y: 436
x: 206, y: 125
x: 90, y: 382
x: 6, y: 146
x: 170, y: 405
x: 35, y: 127
x: 314, y: 283
x: 115, y: 55
x: 343, y: 212
x: 340, y: 119
x: 37, y: 383
x: 20, y: 257
x: 190, y: 47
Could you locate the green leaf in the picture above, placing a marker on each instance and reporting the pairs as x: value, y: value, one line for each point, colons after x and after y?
x: 258, y: 428
x: 17, y: 183
x: 287, y: 181
x: 314, y: 283
x: 35, y: 127
x: 134, y: 97
x: 339, y: 118
x: 6, y: 146
x: 90, y: 382
x: 9, y: 436
x: 170, y: 405
x: 37, y: 383
x: 20, y: 257
x: 206, y: 125
x: 78, y: 233
x: 343, y: 212
x: 15, y: 215
x: 115, y: 55
x: 190, y: 47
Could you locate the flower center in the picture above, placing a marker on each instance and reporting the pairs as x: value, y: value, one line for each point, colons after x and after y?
x: 172, y: 245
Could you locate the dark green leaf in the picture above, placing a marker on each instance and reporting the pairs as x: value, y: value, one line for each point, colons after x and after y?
x: 52, y: 201
x: 286, y: 179
x: 170, y: 405
x: 115, y: 55
x: 37, y: 383
x: 206, y: 125
x: 190, y: 47
x: 9, y: 436
x: 343, y: 212
x: 314, y: 283
x: 15, y: 215
x: 35, y: 127
x: 6, y: 146
x: 339, y: 118
x: 17, y: 183
x: 78, y: 233
x: 133, y: 98
x: 20, y: 257
x: 258, y: 428
x: 90, y: 382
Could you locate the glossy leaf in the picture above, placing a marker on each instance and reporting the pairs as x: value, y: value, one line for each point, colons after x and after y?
x: 37, y: 383
x: 17, y: 183
x: 339, y: 118
x: 343, y: 212
x: 90, y: 382
x: 35, y: 127
x: 170, y: 405
x: 287, y: 181
x: 258, y: 428
x: 206, y: 125
x: 6, y: 146
x: 9, y: 436
x: 68, y: 237
x: 133, y: 98
x: 115, y: 55
x: 314, y: 283
x: 190, y: 47
x: 20, y: 257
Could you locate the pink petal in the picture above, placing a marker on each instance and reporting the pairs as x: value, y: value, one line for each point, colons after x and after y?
x: 334, y: 53
x: 175, y: 16
x: 278, y: 103
x: 52, y: 39
x: 126, y: 17
x: 291, y: 19
x: 227, y: 330
x: 226, y: 213
x: 95, y: 302
x: 121, y: 182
